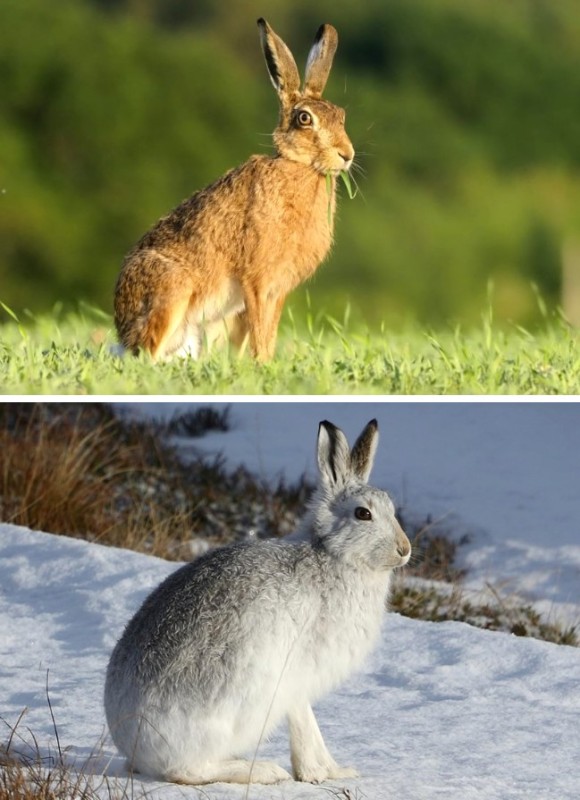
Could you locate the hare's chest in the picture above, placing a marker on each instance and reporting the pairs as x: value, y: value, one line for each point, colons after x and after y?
x: 344, y: 635
x: 290, y: 230
x: 315, y: 220
x: 307, y: 244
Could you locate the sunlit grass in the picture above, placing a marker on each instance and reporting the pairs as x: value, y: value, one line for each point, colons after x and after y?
x: 73, y: 354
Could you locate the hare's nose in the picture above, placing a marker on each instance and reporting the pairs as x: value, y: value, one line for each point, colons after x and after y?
x: 403, y: 549
x: 347, y: 158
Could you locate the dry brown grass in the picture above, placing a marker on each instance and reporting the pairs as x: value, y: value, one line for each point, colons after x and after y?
x: 34, y: 780
x: 50, y: 778
x: 71, y: 470
x: 77, y: 470
x: 27, y: 774
x: 486, y: 609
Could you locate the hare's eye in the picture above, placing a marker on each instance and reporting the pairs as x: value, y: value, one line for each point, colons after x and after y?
x: 362, y: 513
x: 304, y: 119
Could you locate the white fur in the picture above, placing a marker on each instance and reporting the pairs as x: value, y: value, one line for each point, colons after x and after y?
x: 228, y: 646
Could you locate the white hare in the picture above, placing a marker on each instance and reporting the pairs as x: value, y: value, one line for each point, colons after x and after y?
x: 227, y: 257
x: 251, y: 633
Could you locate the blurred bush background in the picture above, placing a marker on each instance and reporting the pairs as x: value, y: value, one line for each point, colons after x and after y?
x: 465, y: 115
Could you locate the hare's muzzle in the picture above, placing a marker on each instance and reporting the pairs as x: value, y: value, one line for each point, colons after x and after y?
x: 347, y: 155
x: 343, y: 155
x: 402, y: 544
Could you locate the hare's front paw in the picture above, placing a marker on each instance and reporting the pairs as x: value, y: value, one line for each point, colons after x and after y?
x: 317, y: 773
x: 267, y: 772
x: 232, y: 771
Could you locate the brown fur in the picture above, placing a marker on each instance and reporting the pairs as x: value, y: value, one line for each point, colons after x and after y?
x: 223, y: 261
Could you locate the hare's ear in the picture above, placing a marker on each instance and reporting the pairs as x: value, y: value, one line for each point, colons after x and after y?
x: 333, y: 455
x: 320, y: 60
x: 362, y: 455
x: 280, y: 63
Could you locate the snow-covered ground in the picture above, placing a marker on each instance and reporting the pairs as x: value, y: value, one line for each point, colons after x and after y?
x: 441, y: 710
x: 506, y: 474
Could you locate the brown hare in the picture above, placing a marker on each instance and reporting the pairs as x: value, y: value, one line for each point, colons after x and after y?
x: 226, y: 258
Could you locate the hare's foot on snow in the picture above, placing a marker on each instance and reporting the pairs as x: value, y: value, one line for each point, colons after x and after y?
x: 311, y: 761
x: 320, y: 772
x: 233, y: 771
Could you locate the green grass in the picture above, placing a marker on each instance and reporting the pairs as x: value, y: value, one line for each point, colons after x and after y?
x: 71, y: 354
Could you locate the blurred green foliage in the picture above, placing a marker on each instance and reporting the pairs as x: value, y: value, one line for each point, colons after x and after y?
x: 465, y: 116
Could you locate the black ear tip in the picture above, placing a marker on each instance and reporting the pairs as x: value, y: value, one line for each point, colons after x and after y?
x: 319, y: 34
x: 261, y: 22
x: 328, y: 426
x: 374, y: 424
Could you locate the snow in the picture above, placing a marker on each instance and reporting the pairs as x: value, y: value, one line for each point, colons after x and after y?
x: 441, y: 710
x: 507, y: 474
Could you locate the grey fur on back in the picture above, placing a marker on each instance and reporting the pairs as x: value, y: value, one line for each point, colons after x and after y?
x: 192, y: 609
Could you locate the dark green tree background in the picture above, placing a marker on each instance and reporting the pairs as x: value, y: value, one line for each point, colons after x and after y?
x: 465, y: 115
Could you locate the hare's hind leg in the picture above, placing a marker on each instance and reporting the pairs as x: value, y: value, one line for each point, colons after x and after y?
x: 232, y: 771
x: 310, y: 758
x: 153, y: 297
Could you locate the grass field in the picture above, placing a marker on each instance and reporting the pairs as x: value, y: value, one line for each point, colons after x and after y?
x: 62, y: 354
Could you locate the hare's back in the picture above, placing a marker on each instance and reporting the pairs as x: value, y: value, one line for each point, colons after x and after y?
x: 206, y: 215
x: 273, y: 201
x: 214, y: 604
